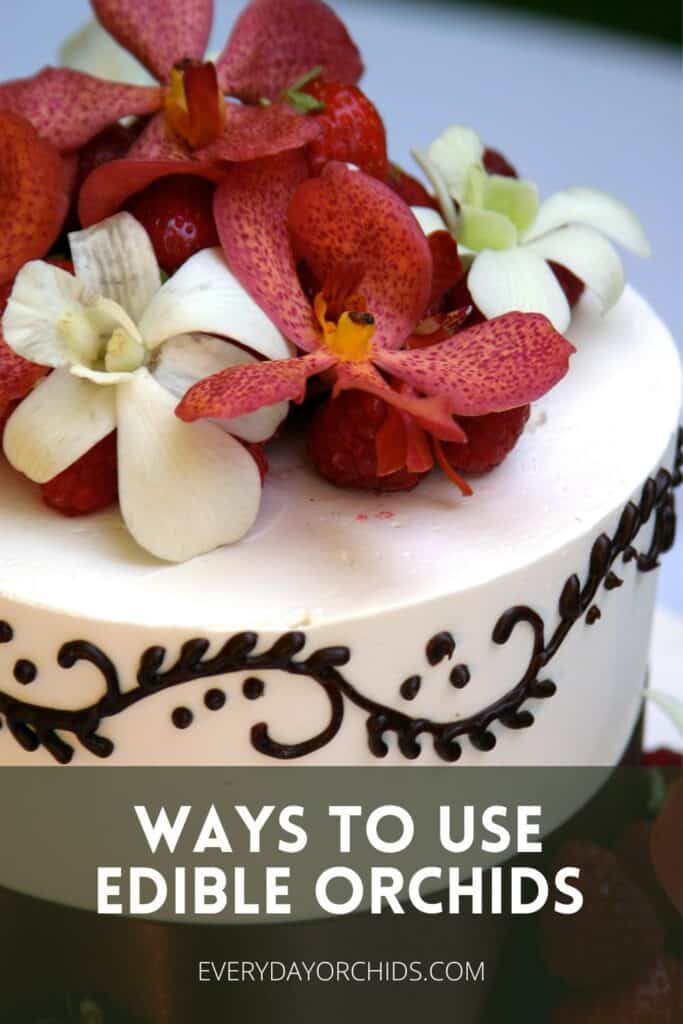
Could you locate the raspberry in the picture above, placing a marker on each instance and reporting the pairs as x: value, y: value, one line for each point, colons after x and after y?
x: 258, y: 454
x: 656, y: 997
x: 343, y: 444
x: 177, y: 214
x: 490, y: 439
x: 88, y: 485
x: 352, y: 129
x: 613, y: 936
x: 410, y: 189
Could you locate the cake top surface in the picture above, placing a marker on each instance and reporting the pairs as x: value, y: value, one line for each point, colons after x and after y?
x: 318, y: 554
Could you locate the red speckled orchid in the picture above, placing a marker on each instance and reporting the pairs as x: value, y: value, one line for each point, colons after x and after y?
x: 272, y: 43
x: 194, y: 130
x: 362, y: 242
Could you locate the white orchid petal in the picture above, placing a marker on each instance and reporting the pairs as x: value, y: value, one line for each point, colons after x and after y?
x: 428, y: 219
x: 516, y: 280
x: 189, y: 358
x: 61, y: 419
x: 594, y: 209
x: 93, y: 50
x: 101, y: 377
x: 485, y: 229
x: 204, y: 296
x: 116, y: 259
x: 184, y: 488
x: 588, y: 255
x: 670, y: 705
x: 450, y: 214
x: 41, y: 296
x: 454, y: 154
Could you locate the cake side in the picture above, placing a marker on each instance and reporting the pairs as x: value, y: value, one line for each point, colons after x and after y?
x: 503, y: 671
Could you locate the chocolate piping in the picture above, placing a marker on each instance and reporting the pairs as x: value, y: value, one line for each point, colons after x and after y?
x: 33, y: 726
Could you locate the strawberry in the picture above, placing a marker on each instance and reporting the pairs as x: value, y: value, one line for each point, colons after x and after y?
x: 662, y: 757
x: 343, y: 444
x: 352, y: 130
x: 614, y: 935
x: 496, y: 163
x: 88, y: 485
x: 490, y: 439
x: 656, y: 997
x: 633, y: 851
x: 410, y: 189
x: 177, y: 214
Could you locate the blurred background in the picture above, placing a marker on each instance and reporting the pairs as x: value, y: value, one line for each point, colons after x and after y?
x: 574, y: 92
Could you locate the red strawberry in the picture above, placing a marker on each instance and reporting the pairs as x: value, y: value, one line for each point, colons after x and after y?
x: 410, y: 189
x: 352, y: 129
x: 662, y: 757
x: 88, y: 485
x: 633, y: 851
x: 177, y: 213
x: 343, y: 444
x: 570, y: 284
x: 490, y: 439
x: 656, y: 997
x: 613, y: 936
x: 496, y: 163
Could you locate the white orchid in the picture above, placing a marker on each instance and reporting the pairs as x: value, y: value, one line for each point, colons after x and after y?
x: 124, y: 350
x: 506, y: 236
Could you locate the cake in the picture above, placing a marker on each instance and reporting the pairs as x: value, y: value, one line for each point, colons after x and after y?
x: 461, y: 594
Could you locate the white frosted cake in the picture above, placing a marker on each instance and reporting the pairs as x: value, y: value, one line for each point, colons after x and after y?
x: 511, y: 627
x: 418, y: 578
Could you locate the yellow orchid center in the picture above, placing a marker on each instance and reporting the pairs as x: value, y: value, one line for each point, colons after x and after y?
x: 195, y: 106
x: 350, y: 338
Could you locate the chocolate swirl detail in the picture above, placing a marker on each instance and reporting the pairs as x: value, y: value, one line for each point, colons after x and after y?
x: 34, y: 726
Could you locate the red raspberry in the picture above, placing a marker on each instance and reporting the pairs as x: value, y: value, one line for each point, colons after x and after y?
x: 177, y: 213
x: 615, y: 934
x: 496, y: 163
x: 490, y: 439
x: 656, y: 997
x: 352, y: 129
x: 410, y: 189
x: 258, y: 454
x: 88, y: 485
x: 343, y: 444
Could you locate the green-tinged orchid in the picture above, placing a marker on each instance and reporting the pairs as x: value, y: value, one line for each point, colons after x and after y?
x: 123, y: 348
x: 374, y: 268
x: 507, y: 236
x: 193, y: 130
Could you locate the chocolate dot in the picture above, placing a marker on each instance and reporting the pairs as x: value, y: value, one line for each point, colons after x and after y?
x: 593, y: 615
x: 6, y: 633
x: 182, y: 718
x: 253, y: 688
x: 214, y: 699
x: 460, y: 676
x: 411, y: 687
x: 25, y: 671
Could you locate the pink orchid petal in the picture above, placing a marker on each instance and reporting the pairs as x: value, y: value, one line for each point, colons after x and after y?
x: 275, y: 42
x: 155, y: 154
x: 160, y: 33
x: 347, y: 216
x: 250, y: 208
x: 244, y: 389
x: 433, y: 414
x: 68, y: 108
x: 254, y: 132
x: 496, y: 365
x: 34, y: 197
